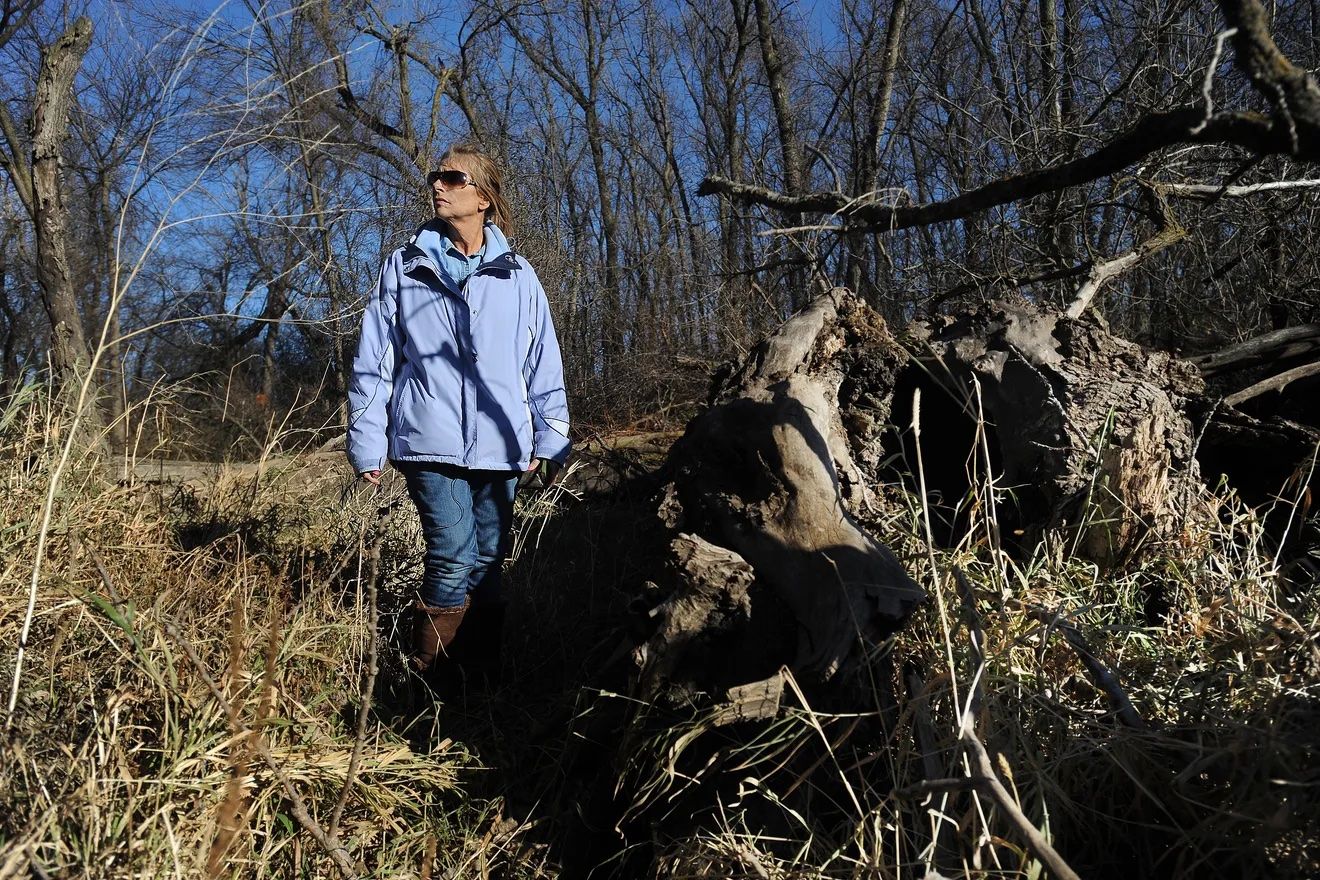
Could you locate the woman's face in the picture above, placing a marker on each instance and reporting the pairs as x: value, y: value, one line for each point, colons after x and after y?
x: 456, y: 204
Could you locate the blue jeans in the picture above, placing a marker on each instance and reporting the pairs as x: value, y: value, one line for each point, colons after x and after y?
x: 466, y: 516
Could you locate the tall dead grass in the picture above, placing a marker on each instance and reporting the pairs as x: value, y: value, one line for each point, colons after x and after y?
x: 189, y: 699
x: 1161, y: 719
x: 195, y: 665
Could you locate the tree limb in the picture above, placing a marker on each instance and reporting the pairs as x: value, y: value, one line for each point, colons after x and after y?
x: 1273, y: 383
x: 1167, y: 231
x: 1292, y: 91
x: 349, y: 101
x: 1293, y: 128
x: 1152, y: 133
x: 1210, y: 192
x: 1268, y: 347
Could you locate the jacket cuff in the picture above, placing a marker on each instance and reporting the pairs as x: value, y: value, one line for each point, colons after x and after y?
x: 363, y: 465
x: 552, y: 445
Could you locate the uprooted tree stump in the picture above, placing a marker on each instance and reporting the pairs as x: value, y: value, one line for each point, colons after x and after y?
x: 767, y: 549
x: 774, y: 507
x: 1091, y: 434
x: 770, y: 487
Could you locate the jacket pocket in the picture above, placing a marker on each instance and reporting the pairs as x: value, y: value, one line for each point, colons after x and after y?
x: 396, y: 416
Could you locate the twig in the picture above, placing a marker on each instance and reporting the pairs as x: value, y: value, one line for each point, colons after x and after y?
x: 1206, y: 85
x: 297, y: 806
x: 368, y: 682
x: 987, y: 781
x: 1100, y: 675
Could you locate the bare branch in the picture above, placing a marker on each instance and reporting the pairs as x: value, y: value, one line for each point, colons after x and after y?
x: 1291, y: 90
x: 1273, y: 346
x: 349, y: 101
x: 1274, y: 383
x: 1151, y: 134
x: 1167, y: 231
x: 1210, y: 192
x: 1100, y: 674
x: 1036, y: 842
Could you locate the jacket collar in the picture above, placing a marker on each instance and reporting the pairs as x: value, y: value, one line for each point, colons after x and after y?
x: 500, y: 256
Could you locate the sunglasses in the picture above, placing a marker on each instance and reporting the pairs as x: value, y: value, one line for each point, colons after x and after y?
x: 450, y: 179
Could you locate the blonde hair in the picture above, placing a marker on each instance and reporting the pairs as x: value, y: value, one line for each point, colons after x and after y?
x: 489, y: 180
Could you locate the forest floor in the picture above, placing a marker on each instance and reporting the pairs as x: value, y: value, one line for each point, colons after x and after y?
x: 201, y: 646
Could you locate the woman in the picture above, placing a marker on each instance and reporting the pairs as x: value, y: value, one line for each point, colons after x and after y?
x: 458, y: 383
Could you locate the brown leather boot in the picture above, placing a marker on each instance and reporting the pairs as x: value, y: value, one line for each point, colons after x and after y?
x: 433, y: 630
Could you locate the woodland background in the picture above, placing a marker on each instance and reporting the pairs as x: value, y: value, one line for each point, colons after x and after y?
x: 233, y: 178
x: 1080, y: 245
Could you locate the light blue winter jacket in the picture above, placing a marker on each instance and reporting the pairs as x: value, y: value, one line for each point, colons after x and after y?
x: 470, y: 375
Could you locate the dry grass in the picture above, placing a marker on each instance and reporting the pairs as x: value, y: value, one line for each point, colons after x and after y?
x: 1220, y: 775
x: 121, y: 761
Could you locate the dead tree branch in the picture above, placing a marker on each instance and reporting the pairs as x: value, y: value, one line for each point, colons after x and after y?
x: 1269, y: 347
x: 987, y: 781
x: 1148, y: 136
x: 1207, y: 192
x: 1167, y: 231
x: 1103, y: 678
x: 1273, y: 383
x: 1292, y: 129
x: 1292, y: 91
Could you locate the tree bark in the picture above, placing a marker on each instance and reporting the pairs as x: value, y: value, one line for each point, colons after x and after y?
x: 50, y: 132
x: 1096, y: 435
x: 767, y: 508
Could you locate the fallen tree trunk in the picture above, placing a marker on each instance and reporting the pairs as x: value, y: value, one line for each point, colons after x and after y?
x: 769, y: 491
x: 770, y: 508
x: 1095, y: 435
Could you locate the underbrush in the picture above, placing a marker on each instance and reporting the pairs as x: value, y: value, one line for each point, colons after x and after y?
x: 199, y: 655
x: 195, y: 662
x: 1158, y: 719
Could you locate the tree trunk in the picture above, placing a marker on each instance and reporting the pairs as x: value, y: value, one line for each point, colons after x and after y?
x: 774, y: 563
x: 50, y: 131
x: 1093, y: 434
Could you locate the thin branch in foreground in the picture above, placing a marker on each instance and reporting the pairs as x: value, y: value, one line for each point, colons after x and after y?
x: 987, y: 781
x: 1103, y: 678
x: 368, y: 677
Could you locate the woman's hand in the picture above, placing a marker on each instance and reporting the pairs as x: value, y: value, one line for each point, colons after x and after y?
x: 549, y: 474
x: 372, y: 477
